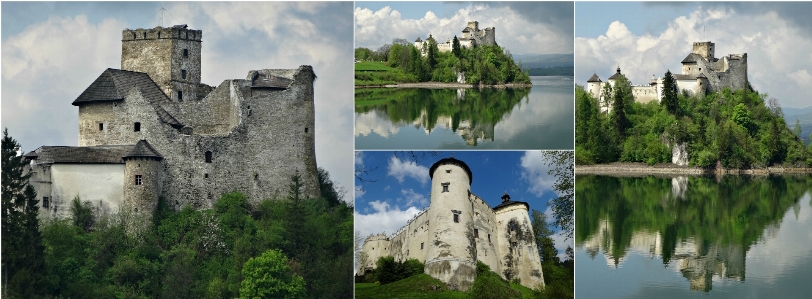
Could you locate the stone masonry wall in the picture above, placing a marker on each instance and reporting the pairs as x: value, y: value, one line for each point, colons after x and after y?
x: 159, y: 53
x: 141, y: 198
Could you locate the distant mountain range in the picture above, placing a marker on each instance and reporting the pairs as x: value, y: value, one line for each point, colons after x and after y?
x: 804, y: 115
x: 547, y: 64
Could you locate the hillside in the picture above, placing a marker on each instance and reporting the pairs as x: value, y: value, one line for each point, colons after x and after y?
x: 804, y: 115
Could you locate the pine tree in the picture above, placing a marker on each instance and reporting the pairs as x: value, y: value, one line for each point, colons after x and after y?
x: 23, y: 264
x: 455, y: 47
x: 670, y: 101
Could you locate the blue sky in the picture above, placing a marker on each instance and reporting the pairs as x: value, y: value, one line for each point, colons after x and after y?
x: 650, y: 38
x: 64, y: 46
x: 402, y: 186
x: 521, y: 27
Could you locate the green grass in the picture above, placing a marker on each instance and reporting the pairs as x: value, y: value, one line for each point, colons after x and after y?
x: 372, y: 66
x: 418, y: 286
x: 370, y: 73
x: 527, y: 293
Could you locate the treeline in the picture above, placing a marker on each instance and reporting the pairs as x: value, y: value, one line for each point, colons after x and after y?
x: 552, y: 71
x: 732, y: 129
x: 488, y: 65
x: 285, y: 248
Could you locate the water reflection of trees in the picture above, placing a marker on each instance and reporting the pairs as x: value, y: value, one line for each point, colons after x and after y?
x: 471, y: 113
x: 704, y: 226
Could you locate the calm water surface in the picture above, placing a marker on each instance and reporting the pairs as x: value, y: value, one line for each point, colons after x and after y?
x: 693, y: 237
x: 541, y: 117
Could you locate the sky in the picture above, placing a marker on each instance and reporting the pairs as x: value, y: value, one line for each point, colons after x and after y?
x: 397, y: 186
x: 52, y: 51
x: 650, y: 38
x: 521, y: 27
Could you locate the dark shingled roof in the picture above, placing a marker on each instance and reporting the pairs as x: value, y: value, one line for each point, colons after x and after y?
x: 510, y: 203
x: 466, y: 29
x: 594, y: 78
x: 143, y: 149
x: 113, y: 85
x: 685, y: 76
x: 692, y: 58
x: 102, y: 154
x: 270, y: 81
x: 614, y: 76
x: 418, y: 40
x: 454, y: 161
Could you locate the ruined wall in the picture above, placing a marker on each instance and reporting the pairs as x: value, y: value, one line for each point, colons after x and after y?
x: 705, y: 49
x: 489, y: 38
x: 451, y: 254
x: 100, y: 184
x: 519, y: 254
x: 141, y: 198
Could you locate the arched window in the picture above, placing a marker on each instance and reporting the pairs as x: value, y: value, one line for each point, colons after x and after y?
x: 208, y: 156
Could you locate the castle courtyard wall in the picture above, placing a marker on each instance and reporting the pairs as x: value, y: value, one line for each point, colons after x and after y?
x: 100, y: 184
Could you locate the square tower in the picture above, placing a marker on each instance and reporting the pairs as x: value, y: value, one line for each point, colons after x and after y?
x: 171, y: 57
x: 705, y: 49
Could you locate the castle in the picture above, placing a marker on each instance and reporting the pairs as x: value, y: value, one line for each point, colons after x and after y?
x: 702, y: 72
x: 459, y: 229
x: 471, y: 36
x: 151, y: 129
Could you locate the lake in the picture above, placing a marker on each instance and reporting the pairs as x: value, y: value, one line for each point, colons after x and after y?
x: 693, y: 237
x: 541, y: 117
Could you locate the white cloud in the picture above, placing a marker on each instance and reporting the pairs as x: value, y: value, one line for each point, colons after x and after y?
x: 778, y: 51
x: 411, y: 198
x: 513, y: 30
x: 402, y: 169
x: 561, y: 241
x: 383, y: 219
x: 534, y: 172
x: 359, y: 192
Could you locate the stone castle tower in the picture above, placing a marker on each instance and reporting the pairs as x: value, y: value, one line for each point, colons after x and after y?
x: 459, y: 229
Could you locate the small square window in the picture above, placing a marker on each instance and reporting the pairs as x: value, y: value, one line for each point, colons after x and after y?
x: 445, y: 187
x: 101, y: 126
x: 208, y: 156
x: 137, y: 127
x: 138, y: 180
x: 206, y: 176
x: 46, y: 202
x: 448, y: 171
x: 456, y: 218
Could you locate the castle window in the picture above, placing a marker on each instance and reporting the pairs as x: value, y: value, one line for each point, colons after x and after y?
x: 46, y: 202
x: 448, y: 171
x: 208, y: 156
x: 180, y: 95
x: 421, y: 245
x: 407, y: 252
x: 445, y: 187
x: 138, y: 180
x: 185, y: 52
x: 145, y: 35
x: 206, y: 176
x: 489, y: 238
x: 137, y: 127
x: 456, y: 218
x: 476, y: 233
x: 183, y: 74
x: 101, y: 126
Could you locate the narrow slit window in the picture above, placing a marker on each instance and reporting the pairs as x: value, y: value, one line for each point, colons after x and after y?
x: 476, y: 233
x: 47, y: 203
x: 421, y: 245
x: 183, y: 74
x: 101, y: 126
x: 208, y: 156
x: 305, y: 130
x: 185, y: 52
x: 180, y: 95
x: 456, y: 218
x: 137, y: 127
x: 138, y: 179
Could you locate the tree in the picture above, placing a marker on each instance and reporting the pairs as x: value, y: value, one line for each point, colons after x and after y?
x: 431, y: 54
x: 23, y: 266
x: 268, y: 276
x: 621, y: 96
x: 544, y: 240
x: 455, y: 47
x: 670, y: 100
x: 328, y: 189
x: 82, y: 214
x: 563, y: 206
x: 797, y: 129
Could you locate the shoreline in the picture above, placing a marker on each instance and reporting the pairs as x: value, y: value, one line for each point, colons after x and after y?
x: 441, y: 85
x: 634, y: 169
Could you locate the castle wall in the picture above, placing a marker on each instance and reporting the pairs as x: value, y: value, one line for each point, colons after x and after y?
x: 485, y: 234
x: 375, y: 247
x: 100, y: 184
x: 410, y: 242
x: 645, y: 94
x: 689, y: 85
x: 40, y: 179
x: 517, y: 246
x: 451, y: 255
x: 489, y: 38
x: 159, y: 53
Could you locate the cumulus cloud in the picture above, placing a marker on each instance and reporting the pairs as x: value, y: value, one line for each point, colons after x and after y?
x: 778, y: 50
x: 411, y: 198
x: 67, y: 53
x: 534, y: 172
x: 384, y: 218
x: 403, y: 169
x: 516, y: 30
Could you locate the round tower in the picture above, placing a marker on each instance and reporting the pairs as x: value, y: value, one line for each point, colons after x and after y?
x: 451, y: 253
x: 143, y: 168
x: 702, y: 85
x: 517, y: 243
x: 593, y: 85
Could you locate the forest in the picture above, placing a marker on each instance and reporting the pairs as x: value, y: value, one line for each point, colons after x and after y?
x: 290, y: 247
x: 741, y: 129
x: 487, y: 65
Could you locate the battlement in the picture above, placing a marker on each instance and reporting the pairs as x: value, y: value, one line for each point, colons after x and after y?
x: 174, y: 32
